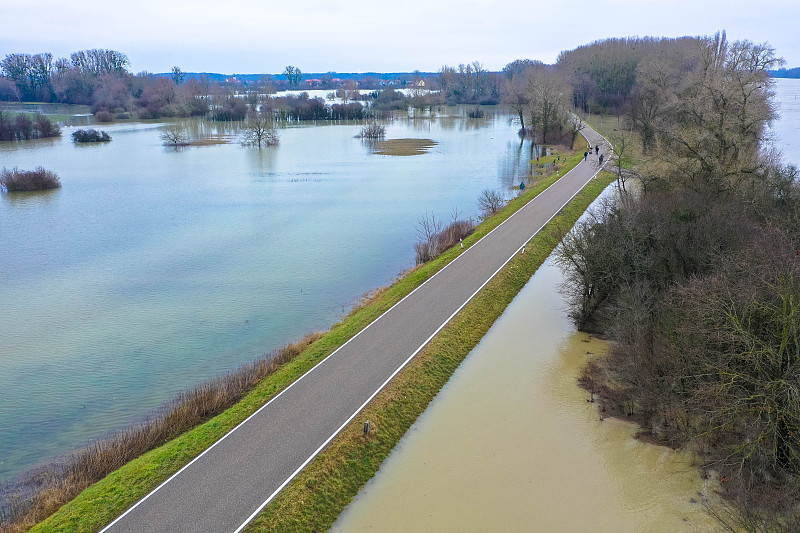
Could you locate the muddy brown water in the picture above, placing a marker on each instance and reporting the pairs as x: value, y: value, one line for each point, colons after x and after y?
x: 511, y: 444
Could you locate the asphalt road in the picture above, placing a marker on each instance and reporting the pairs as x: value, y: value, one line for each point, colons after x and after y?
x: 226, y: 486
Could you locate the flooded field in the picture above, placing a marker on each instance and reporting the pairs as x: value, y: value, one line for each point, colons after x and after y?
x: 155, y: 268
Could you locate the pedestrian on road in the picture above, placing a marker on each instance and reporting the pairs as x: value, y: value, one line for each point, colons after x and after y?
x: 601, y: 159
x: 585, y: 154
x: 596, y: 149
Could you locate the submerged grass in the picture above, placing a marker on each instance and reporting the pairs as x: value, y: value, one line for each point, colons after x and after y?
x: 349, y: 467
x: 404, y: 147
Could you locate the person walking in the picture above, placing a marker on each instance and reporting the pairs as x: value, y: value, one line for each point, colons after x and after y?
x: 596, y: 149
x: 601, y: 160
x: 585, y: 155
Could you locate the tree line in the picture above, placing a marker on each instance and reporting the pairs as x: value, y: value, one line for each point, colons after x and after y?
x: 695, y: 274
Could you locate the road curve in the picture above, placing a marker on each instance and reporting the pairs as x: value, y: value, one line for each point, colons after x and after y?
x: 226, y: 486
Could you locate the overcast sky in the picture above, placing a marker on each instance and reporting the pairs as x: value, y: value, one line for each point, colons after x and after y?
x: 263, y: 36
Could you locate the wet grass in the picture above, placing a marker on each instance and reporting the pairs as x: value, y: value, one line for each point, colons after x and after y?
x: 108, y: 498
x: 211, y: 140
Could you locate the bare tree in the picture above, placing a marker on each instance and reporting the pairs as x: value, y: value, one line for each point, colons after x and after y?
x: 546, y: 93
x: 721, y: 118
x: 428, y: 231
x: 574, y: 127
x: 372, y: 131
x: 174, y: 136
x: 517, y: 97
x: 348, y: 90
x: 490, y: 202
x: 260, y: 130
x: 651, y: 100
x: 622, y: 158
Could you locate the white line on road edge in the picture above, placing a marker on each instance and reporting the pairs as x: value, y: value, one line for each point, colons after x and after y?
x: 316, y: 452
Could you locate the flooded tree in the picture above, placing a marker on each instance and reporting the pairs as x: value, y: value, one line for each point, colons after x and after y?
x: 174, y: 136
x: 260, y: 130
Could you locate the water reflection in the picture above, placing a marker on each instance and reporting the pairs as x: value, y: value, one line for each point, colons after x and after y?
x: 29, y: 200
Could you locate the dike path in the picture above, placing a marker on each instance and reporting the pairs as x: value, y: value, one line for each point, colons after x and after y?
x: 226, y: 486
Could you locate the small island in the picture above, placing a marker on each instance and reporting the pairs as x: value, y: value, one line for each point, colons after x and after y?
x: 90, y: 136
x: 38, y: 179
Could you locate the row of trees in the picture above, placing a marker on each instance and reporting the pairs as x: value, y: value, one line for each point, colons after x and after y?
x: 468, y: 83
x: 696, y: 277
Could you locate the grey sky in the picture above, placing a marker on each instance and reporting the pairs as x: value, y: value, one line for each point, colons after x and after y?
x: 251, y: 36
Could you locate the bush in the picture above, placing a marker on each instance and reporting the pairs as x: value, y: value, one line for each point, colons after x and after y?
x: 90, y: 136
x: 475, y: 112
x: 22, y: 128
x: 490, y: 202
x: 435, y: 238
x: 37, y: 179
x: 372, y: 131
x: 104, y: 116
x: 351, y: 111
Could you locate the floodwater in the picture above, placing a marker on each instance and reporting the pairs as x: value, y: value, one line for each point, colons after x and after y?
x: 787, y: 134
x: 512, y: 444
x: 153, y: 269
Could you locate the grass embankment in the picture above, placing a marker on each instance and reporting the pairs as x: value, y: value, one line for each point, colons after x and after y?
x: 103, y: 501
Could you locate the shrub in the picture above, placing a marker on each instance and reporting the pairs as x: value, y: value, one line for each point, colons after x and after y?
x: 435, y: 238
x: 23, y: 128
x: 37, y: 179
x: 104, y: 116
x: 44, y: 128
x: 475, y: 112
x: 90, y: 136
x: 372, y: 131
x: 490, y: 202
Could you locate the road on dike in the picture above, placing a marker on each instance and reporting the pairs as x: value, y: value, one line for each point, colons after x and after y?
x: 225, y: 487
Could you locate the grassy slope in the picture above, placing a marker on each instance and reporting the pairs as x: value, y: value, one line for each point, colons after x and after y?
x: 100, y: 503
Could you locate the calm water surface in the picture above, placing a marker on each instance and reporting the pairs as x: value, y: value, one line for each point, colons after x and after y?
x: 787, y: 127
x: 154, y: 269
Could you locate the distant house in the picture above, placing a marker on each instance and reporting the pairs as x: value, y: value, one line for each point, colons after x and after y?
x: 420, y: 84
